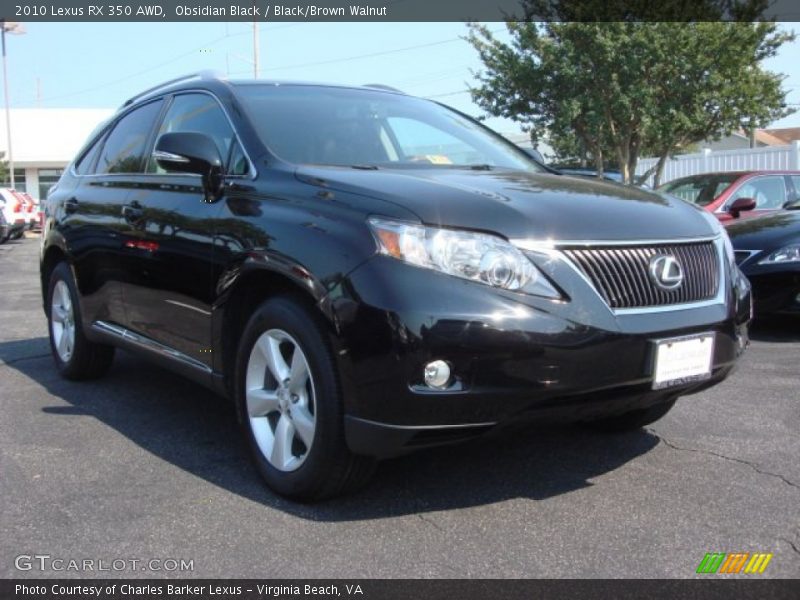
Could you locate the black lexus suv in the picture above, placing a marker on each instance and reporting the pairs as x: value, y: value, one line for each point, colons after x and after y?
x: 364, y: 273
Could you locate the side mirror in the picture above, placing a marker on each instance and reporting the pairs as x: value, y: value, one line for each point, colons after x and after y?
x: 741, y: 205
x: 189, y: 152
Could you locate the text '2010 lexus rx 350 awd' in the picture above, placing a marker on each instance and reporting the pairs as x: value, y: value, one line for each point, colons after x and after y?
x: 364, y: 273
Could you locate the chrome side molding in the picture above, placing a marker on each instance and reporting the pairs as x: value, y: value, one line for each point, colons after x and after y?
x: 140, y: 341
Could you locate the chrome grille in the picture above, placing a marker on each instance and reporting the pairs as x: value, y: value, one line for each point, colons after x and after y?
x: 621, y: 274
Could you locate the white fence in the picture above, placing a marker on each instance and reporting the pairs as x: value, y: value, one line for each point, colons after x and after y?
x: 766, y: 158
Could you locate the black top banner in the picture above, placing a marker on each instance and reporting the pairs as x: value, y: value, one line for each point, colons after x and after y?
x: 398, y: 10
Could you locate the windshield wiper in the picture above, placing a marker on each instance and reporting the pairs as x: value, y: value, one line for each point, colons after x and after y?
x: 365, y: 167
x: 480, y: 167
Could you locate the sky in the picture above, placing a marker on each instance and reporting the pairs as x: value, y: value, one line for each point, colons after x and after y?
x: 100, y: 65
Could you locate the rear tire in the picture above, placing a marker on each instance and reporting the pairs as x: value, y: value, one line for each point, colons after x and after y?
x: 290, y: 404
x: 635, y: 419
x: 76, y: 357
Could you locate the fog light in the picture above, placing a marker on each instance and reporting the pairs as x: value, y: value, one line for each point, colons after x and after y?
x: 797, y: 299
x: 437, y: 374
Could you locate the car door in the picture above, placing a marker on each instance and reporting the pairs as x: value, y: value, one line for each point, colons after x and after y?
x: 89, y: 211
x: 769, y: 192
x: 171, y: 240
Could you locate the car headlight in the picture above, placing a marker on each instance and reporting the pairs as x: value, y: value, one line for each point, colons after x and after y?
x: 787, y: 254
x: 479, y: 257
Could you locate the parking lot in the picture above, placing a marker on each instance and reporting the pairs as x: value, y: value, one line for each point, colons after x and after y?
x: 145, y: 465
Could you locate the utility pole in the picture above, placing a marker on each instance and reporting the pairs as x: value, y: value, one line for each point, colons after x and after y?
x: 16, y: 28
x: 255, y: 48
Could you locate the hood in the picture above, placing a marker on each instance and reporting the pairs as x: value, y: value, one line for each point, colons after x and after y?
x: 766, y: 232
x: 517, y: 204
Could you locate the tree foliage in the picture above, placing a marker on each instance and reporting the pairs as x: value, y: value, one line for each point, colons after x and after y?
x: 4, y: 172
x: 614, y: 91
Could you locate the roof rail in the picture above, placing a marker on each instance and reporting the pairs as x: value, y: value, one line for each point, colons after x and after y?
x: 380, y: 86
x: 199, y: 75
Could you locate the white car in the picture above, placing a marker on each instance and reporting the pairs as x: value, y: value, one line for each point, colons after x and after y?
x: 13, y: 207
x: 31, y: 209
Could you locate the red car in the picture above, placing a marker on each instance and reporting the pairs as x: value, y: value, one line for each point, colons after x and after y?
x: 30, y: 208
x: 731, y: 194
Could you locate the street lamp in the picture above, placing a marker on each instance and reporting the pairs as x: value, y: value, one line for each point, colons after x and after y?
x: 16, y: 29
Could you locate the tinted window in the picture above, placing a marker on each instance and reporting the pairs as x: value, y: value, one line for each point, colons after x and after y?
x: 124, y: 149
x: 85, y: 165
x: 768, y: 192
x: 198, y: 113
x: 238, y: 164
x: 343, y: 126
x: 796, y: 182
x: 702, y: 189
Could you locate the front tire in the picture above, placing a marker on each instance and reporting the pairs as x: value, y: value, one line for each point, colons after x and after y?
x: 76, y: 357
x: 635, y: 419
x: 290, y: 405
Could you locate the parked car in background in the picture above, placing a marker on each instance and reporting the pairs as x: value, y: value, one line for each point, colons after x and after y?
x: 614, y: 176
x: 733, y: 194
x: 31, y: 209
x: 4, y: 228
x: 12, y: 206
x: 299, y: 249
x: 767, y: 250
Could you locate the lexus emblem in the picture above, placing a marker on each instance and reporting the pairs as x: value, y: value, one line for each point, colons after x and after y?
x: 666, y: 272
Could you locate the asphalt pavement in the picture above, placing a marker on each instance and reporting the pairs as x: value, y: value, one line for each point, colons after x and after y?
x: 143, y: 465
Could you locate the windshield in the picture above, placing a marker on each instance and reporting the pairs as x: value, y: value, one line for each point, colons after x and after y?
x: 305, y: 124
x: 701, y: 189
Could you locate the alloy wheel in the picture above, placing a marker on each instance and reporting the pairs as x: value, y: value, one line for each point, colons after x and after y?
x: 62, y: 321
x: 281, y: 402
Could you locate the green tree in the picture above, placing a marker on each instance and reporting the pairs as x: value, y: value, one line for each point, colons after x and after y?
x: 4, y: 174
x: 616, y: 90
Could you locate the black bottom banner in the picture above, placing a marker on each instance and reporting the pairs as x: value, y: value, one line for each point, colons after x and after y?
x: 373, y: 589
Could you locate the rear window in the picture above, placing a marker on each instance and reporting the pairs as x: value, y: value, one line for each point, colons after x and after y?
x: 702, y: 189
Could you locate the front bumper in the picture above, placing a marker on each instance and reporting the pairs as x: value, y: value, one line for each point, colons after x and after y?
x: 514, y: 357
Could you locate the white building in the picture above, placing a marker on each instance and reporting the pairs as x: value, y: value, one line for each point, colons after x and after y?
x: 44, y: 141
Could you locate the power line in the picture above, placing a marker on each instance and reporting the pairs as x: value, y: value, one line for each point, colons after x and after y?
x: 144, y: 71
x: 360, y: 56
x: 296, y: 66
x: 445, y: 95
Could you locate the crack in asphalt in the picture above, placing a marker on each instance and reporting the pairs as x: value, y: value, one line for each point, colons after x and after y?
x: 724, y: 457
x: 791, y: 543
x: 430, y: 521
x: 21, y: 358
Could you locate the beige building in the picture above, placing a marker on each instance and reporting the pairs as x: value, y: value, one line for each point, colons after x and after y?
x: 763, y: 137
x: 44, y: 141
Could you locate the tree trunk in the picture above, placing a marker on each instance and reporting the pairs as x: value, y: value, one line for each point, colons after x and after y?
x: 662, y: 160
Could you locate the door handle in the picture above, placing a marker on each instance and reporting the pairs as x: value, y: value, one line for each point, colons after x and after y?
x: 132, y: 212
x: 70, y: 205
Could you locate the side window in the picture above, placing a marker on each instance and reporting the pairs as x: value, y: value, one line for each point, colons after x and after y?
x: 768, y: 192
x: 125, y: 146
x: 796, y: 183
x: 86, y: 163
x: 198, y: 113
x: 238, y: 164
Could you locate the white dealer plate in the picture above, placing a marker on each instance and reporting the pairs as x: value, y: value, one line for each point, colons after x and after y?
x: 684, y: 359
